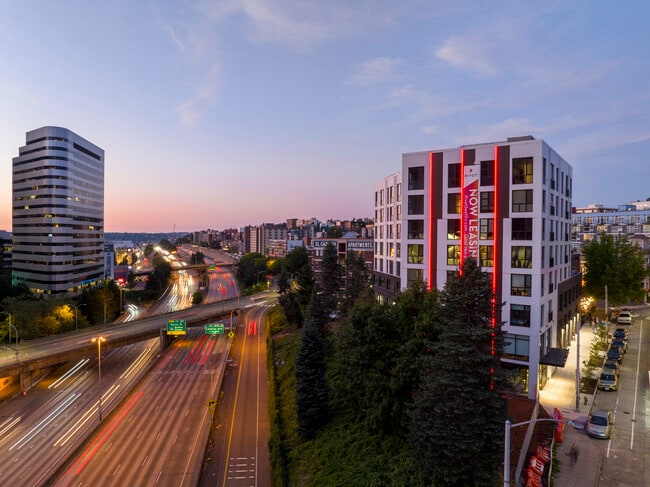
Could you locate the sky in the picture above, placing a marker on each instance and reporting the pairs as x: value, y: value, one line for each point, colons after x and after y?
x: 220, y: 114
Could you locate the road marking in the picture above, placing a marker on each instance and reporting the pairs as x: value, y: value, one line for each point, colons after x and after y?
x: 636, y: 386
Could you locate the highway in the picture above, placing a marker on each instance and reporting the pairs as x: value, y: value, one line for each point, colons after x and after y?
x: 158, y: 434
x: 626, y: 456
x: 39, y: 431
x: 239, y: 455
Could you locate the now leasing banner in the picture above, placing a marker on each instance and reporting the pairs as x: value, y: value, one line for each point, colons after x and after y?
x: 470, y: 200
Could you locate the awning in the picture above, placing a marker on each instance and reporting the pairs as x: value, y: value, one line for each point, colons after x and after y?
x: 555, y: 357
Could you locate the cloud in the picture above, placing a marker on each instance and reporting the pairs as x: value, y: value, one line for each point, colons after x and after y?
x: 472, y: 53
x: 374, y: 71
x: 204, y: 97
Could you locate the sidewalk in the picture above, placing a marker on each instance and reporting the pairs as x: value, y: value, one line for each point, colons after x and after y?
x: 560, y: 393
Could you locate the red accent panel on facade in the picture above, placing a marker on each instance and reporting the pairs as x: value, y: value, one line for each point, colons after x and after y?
x: 501, y: 211
x: 435, y: 213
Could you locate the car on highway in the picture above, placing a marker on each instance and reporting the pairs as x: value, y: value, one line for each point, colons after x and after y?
x: 600, y: 424
x: 624, y: 317
x: 608, y: 380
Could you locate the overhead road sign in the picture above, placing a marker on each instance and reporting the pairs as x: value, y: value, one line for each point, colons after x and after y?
x: 176, y: 327
x: 214, y: 329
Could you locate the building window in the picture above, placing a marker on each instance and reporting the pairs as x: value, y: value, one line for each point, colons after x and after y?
x: 486, y: 229
x: 485, y: 256
x: 487, y: 173
x: 453, y: 229
x: 522, y: 229
x: 399, y: 192
x: 416, y: 177
x: 522, y: 170
x: 415, y: 253
x: 522, y: 200
x: 416, y: 229
x: 487, y: 201
x: 452, y: 275
x: 516, y: 346
x: 522, y: 257
x: 520, y: 315
x: 414, y: 275
x: 416, y: 204
x: 453, y: 180
x: 520, y: 284
x: 453, y: 203
x: 453, y: 254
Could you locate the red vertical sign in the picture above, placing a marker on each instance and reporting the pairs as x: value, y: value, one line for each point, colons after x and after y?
x: 470, y: 201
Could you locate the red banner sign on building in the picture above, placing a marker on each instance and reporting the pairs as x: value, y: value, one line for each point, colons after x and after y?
x: 470, y: 202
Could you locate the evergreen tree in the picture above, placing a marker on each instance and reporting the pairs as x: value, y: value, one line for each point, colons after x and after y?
x: 330, y: 278
x: 291, y: 308
x: 457, y: 418
x: 311, y: 383
x: 357, y: 279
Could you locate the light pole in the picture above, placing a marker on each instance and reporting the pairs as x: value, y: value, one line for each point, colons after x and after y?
x: 11, y: 325
x: 258, y: 276
x: 99, y: 341
x: 231, y: 317
x: 76, y: 311
x: 506, y: 446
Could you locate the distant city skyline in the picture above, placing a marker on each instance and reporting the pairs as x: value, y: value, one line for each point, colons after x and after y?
x: 221, y: 114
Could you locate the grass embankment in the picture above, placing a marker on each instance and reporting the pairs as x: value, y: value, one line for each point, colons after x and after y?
x: 343, y: 453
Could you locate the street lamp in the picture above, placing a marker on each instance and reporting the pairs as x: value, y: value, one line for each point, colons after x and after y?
x: 11, y: 325
x: 76, y: 311
x: 234, y: 309
x: 258, y: 276
x: 506, y: 446
x: 99, y: 341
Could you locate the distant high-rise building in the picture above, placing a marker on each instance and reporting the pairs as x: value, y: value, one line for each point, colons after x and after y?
x: 58, y: 212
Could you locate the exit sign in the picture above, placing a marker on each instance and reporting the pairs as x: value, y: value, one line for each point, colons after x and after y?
x: 176, y: 327
x: 214, y: 329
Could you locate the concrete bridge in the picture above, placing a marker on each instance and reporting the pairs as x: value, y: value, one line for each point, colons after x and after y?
x: 34, y: 358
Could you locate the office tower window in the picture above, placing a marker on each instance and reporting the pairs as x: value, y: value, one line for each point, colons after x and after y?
x: 485, y: 256
x: 486, y: 229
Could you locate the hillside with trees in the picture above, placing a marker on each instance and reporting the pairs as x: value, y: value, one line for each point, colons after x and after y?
x: 387, y: 394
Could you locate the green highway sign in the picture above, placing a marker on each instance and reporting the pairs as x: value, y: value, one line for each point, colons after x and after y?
x: 176, y: 327
x: 214, y: 329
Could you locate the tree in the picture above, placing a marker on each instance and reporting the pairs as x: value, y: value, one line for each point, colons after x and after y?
x: 334, y: 232
x: 291, y: 308
x: 457, y: 417
x: 330, y: 278
x: 311, y: 384
x: 357, y: 279
x: 616, y: 263
x: 249, y: 268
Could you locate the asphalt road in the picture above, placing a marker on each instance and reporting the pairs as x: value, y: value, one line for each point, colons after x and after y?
x: 158, y: 434
x: 238, y: 453
x: 40, y: 430
x: 626, y: 456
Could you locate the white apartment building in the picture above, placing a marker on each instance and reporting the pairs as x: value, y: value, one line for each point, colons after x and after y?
x: 507, y: 204
x: 58, y: 212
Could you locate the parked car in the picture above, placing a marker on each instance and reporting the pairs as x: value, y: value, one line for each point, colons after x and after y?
x: 624, y: 317
x: 614, y: 353
x: 620, y: 334
x: 600, y: 424
x: 622, y: 344
x: 611, y: 365
x: 608, y: 380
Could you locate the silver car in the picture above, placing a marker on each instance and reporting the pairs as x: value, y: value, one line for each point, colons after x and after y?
x: 608, y: 380
x: 600, y: 424
x: 624, y: 317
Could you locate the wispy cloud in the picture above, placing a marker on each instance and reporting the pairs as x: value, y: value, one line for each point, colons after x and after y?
x: 375, y: 71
